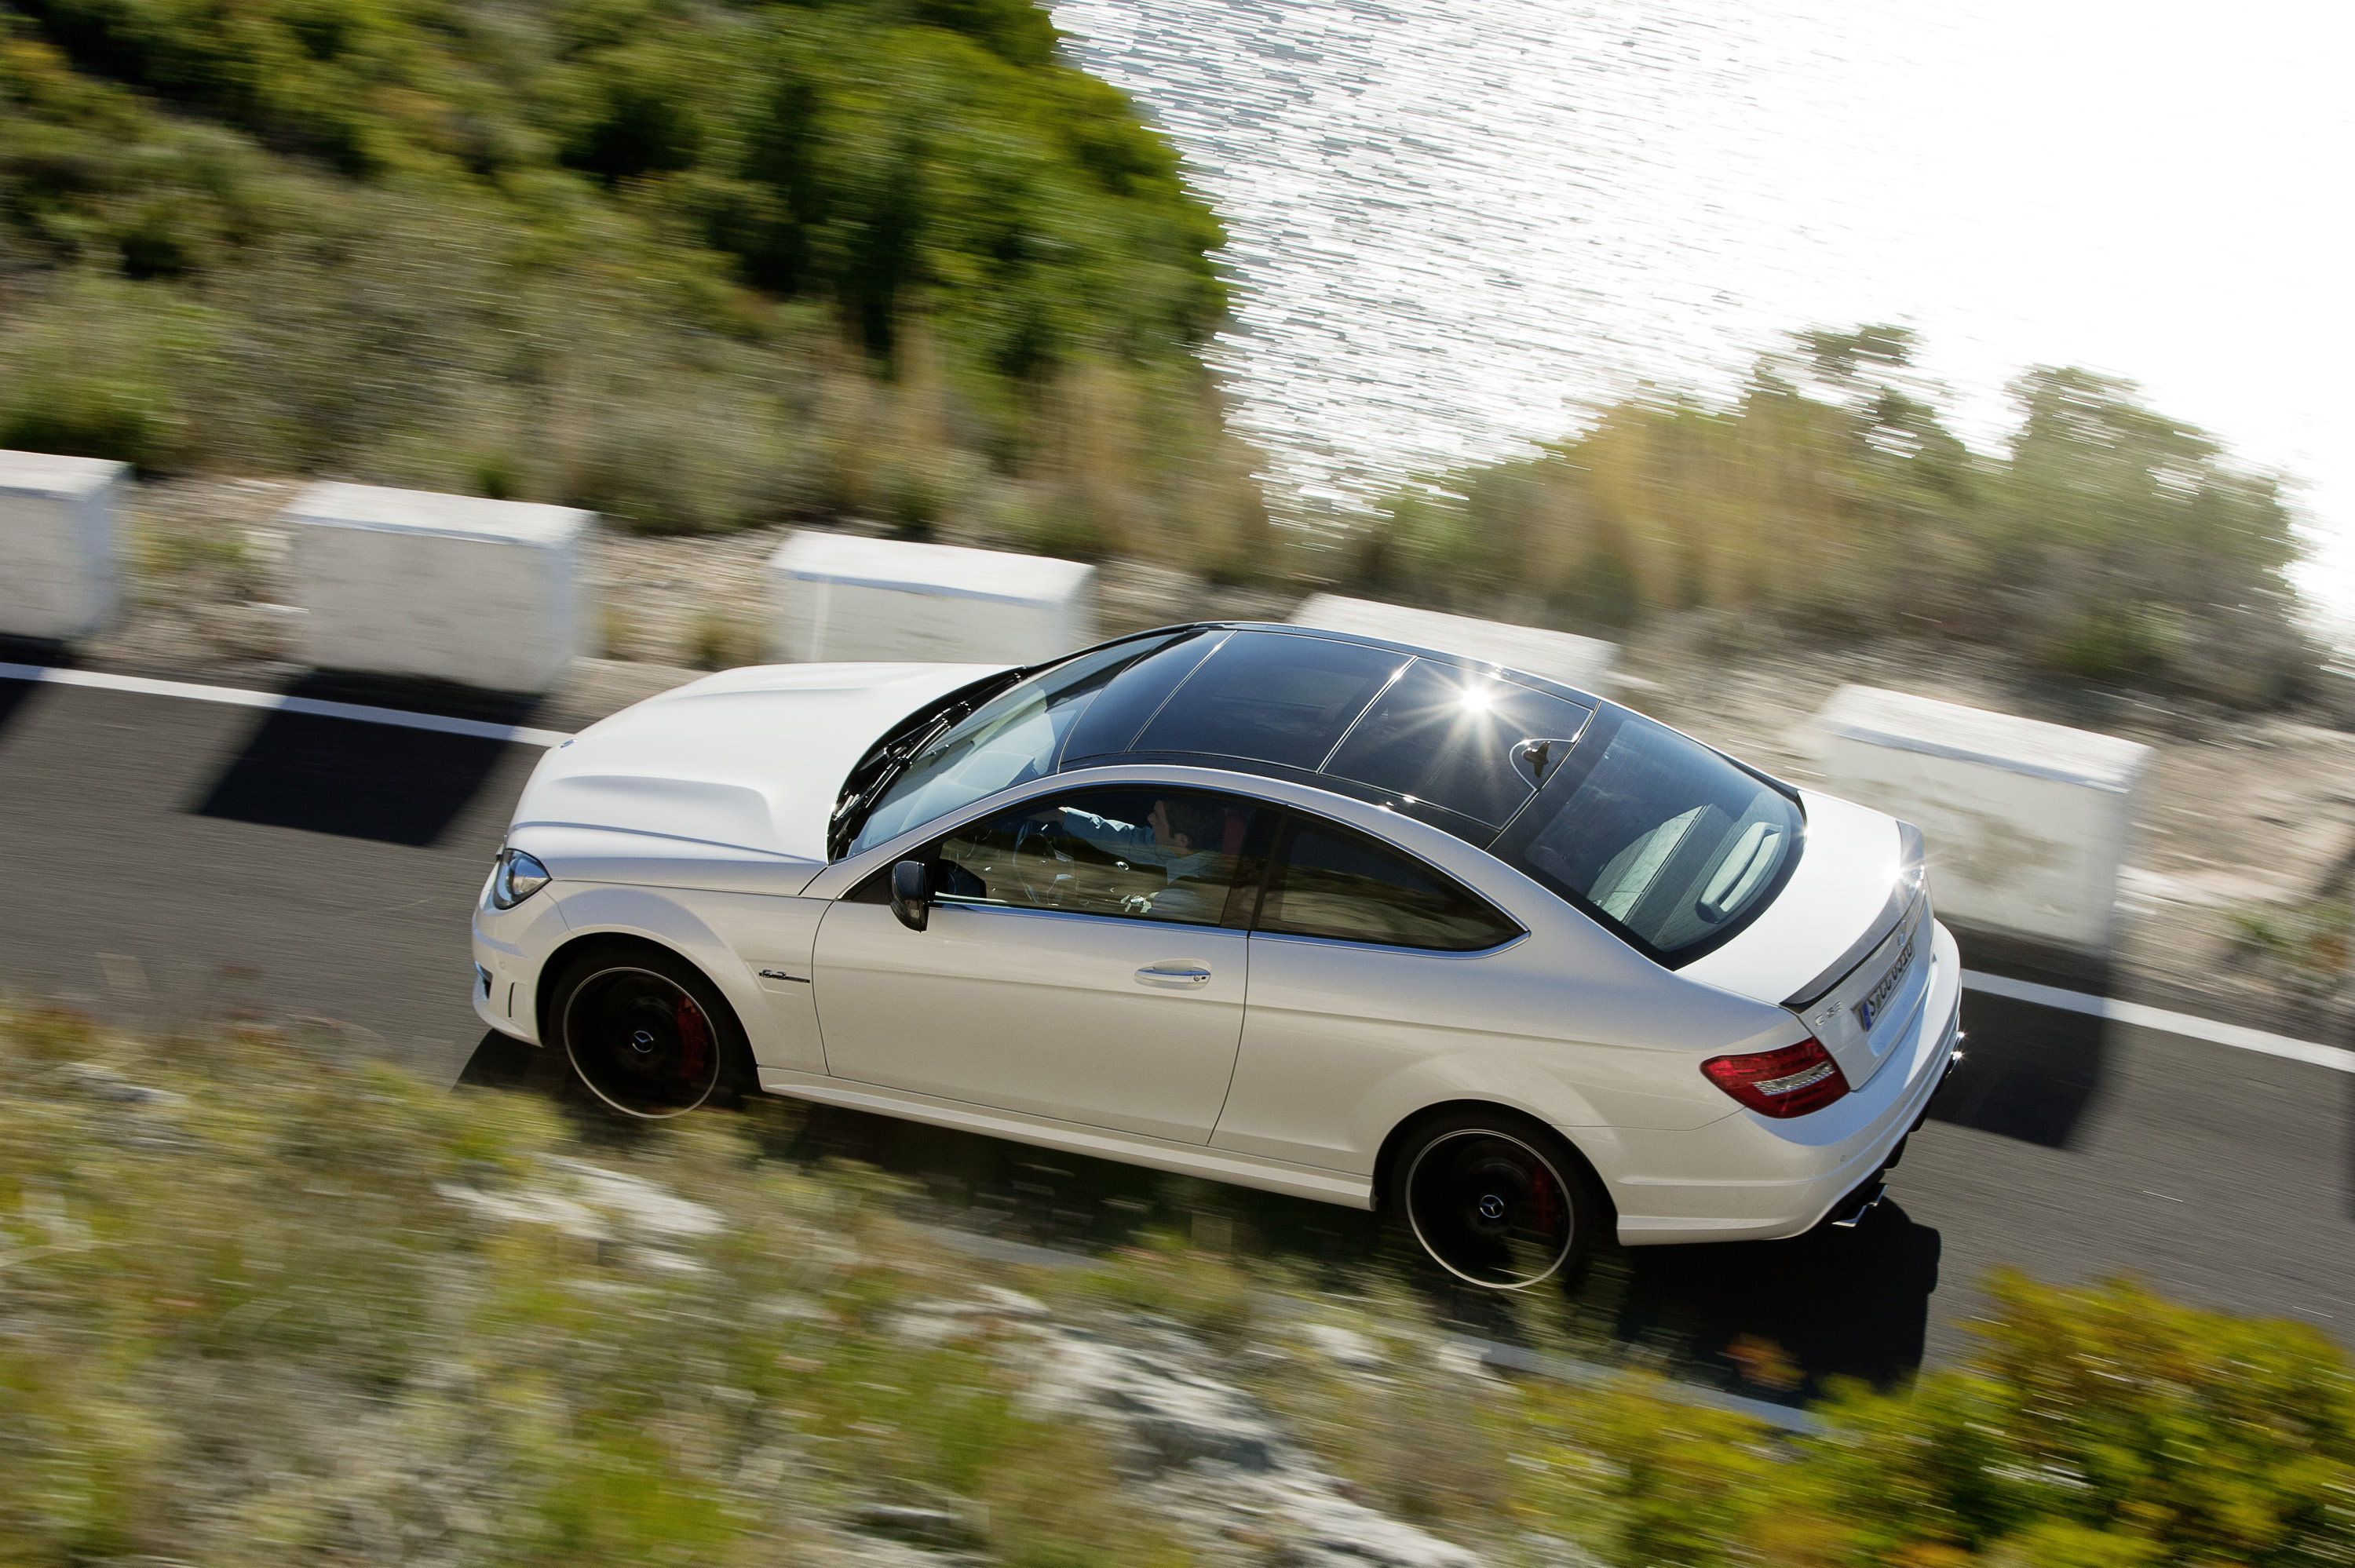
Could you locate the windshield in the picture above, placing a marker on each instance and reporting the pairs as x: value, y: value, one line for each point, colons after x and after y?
x: 1662, y: 839
x: 1011, y: 739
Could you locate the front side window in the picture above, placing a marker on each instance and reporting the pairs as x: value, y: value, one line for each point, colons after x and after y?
x: 1666, y: 840
x: 1011, y: 739
x: 1329, y: 882
x: 1141, y: 854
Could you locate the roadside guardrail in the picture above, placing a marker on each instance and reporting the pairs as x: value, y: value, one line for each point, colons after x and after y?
x: 838, y: 595
x: 453, y: 587
x: 59, y: 557
x: 2027, y: 822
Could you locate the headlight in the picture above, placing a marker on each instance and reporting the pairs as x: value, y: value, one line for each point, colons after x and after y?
x: 516, y: 877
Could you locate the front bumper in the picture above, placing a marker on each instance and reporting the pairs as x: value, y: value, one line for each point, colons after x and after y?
x: 509, y: 946
x: 1752, y: 1178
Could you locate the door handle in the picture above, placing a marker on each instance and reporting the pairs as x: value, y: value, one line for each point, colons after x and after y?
x: 1182, y: 976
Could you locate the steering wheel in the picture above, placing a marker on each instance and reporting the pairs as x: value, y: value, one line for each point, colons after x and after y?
x: 1038, y: 864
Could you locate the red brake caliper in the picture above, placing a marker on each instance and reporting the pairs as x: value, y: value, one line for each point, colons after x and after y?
x: 694, y: 1040
x: 1542, y: 1201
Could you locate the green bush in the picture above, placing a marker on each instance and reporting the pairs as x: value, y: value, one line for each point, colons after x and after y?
x: 2106, y: 542
x: 697, y: 266
x: 265, y: 1302
x: 94, y: 374
x: 2093, y: 1428
x: 2104, y: 1425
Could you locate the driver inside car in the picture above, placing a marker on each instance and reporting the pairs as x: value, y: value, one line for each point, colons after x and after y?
x: 1166, y: 839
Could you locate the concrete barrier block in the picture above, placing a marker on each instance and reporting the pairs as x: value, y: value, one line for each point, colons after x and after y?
x: 407, y: 582
x: 836, y: 596
x: 58, y: 564
x: 2027, y: 822
x: 1585, y: 663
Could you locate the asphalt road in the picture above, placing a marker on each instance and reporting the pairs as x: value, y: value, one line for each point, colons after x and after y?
x: 164, y: 860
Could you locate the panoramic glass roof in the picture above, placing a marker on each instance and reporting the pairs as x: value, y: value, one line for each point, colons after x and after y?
x: 1456, y: 745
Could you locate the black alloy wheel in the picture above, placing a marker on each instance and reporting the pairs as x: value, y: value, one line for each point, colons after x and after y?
x: 1496, y: 1200
x: 645, y: 1033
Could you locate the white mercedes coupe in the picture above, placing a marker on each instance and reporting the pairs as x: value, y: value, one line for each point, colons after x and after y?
x: 1311, y: 912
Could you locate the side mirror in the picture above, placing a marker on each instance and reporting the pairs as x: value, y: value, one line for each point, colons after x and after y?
x: 911, y: 894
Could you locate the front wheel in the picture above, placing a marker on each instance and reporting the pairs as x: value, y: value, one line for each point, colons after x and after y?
x: 646, y: 1032
x: 1496, y: 1199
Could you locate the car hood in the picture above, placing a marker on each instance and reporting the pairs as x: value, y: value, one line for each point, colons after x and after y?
x: 751, y: 758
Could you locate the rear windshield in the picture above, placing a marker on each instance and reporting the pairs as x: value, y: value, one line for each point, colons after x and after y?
x: 1657, y: 836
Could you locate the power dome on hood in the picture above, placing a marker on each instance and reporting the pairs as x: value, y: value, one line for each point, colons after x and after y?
x: 748, y: 757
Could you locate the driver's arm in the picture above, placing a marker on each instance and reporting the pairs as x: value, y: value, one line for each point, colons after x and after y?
x: 1102, y: 832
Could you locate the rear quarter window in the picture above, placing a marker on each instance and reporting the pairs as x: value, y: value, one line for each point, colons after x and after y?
x: 1329, y: 882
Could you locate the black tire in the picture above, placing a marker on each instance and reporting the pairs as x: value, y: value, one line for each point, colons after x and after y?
x: 1497, y: 1198
x: 645, y: 1032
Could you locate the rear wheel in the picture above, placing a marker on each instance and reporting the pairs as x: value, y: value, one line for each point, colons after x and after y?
x: 646, y: 1032
x: 1497, y: 1198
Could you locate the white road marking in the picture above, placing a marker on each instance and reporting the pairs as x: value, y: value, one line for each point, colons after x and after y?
x: 2184, y: 1023
x: 140, y: 685
x: 2131, y: 1012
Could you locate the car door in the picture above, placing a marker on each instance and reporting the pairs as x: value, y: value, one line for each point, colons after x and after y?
x: 1364, y: 961
x: 1075, y: 965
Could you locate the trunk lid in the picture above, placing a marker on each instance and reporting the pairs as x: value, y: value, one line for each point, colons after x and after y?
x: 1873, y: 1006
x: 1845, y: 944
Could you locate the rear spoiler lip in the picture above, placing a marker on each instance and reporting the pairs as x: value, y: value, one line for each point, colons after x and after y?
x: 1902, y: 893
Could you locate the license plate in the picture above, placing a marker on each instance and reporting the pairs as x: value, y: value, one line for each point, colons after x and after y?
x: 1869, y: 1009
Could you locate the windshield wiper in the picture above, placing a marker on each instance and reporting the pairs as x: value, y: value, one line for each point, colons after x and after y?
x: 850, y: 812
x: 889, y: 757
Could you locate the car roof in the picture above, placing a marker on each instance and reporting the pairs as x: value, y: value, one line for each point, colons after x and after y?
x: 1440, y: 736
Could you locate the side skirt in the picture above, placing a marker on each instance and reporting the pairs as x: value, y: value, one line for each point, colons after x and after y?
x: 1180, y: 1159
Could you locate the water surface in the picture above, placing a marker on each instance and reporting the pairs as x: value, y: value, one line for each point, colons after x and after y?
x: 1459, y: 226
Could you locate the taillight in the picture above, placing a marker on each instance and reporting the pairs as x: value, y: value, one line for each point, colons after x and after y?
x: 1787, y: 1082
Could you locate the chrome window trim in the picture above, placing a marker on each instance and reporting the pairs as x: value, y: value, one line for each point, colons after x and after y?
x: 1515, y: 940
x: 990, y: 907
